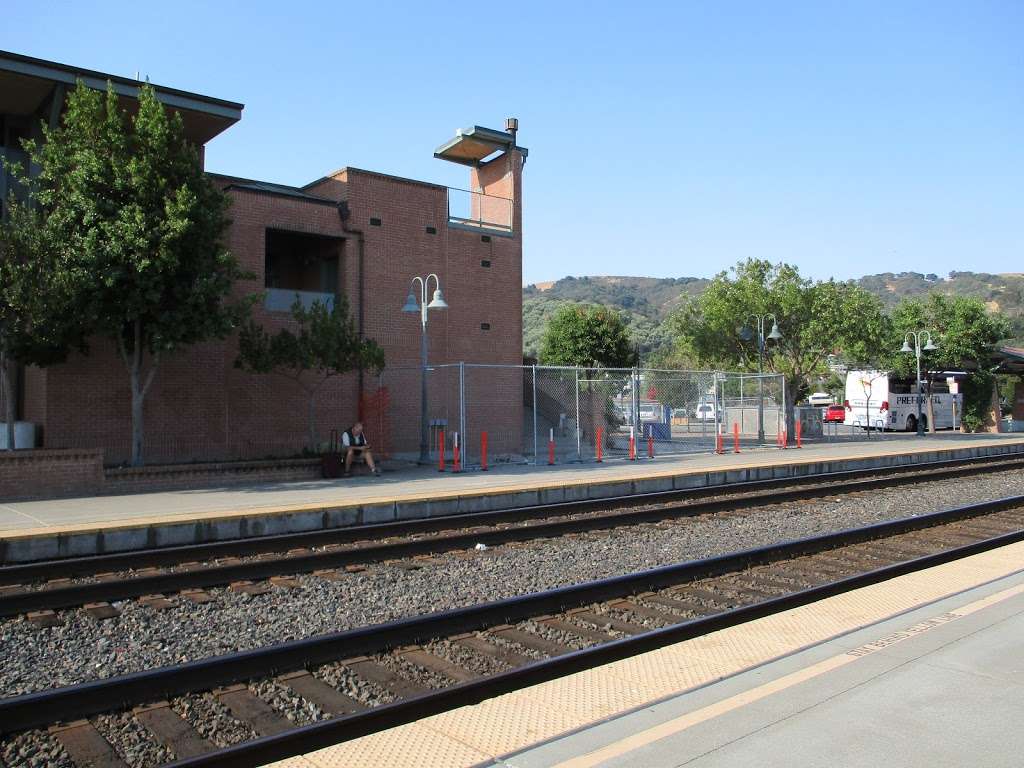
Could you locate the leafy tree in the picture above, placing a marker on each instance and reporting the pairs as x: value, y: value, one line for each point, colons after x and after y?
x: 141, y: 228
x: 815, y: 318
x: 37, y: 326
x: 964, y: 332
x: 326, y: 345
x: 588, y: 336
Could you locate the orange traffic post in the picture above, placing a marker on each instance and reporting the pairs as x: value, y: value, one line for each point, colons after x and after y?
x: 551, y: 447
x: 440, y: 450
x: 650, y: 443
x: 719, y: 446
x: 483, y: 451
x: 600, y: 435
x: 456, y: 457
x: 799, y: 436
x: 735, y: 437
x: 632, y: 444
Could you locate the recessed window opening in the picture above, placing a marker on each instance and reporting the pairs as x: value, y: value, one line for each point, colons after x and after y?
x: 303, y: 265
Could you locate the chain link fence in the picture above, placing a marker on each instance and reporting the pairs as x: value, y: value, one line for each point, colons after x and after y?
x: 536, y: 414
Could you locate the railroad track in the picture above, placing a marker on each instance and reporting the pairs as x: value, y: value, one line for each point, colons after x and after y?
x: 360, y: 681
x: 255, y: 566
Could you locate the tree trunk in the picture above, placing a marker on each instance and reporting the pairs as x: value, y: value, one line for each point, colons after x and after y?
x: 140, y: 386
x: 7, y: 390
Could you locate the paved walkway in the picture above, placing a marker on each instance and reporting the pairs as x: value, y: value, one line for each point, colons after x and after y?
x: 925, y: 669
x: 417, y: 484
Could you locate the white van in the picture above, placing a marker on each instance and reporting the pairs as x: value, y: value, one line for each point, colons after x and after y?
x: 879, y: 400
x: 819, y: 399
x: 704, y: 412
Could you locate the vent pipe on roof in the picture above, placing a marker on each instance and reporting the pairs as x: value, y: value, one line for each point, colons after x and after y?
x: 512, y: 126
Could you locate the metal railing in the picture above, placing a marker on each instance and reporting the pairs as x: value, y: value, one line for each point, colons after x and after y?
x: 475, y: 210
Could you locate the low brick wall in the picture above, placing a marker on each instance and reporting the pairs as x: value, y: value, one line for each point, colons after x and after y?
x: 181, y: 476
x: 50, y: 473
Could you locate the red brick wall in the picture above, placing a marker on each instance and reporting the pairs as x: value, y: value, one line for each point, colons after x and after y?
x: 31, y: 474
x: 202, y: 408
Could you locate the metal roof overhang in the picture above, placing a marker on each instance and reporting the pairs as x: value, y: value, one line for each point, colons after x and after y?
x: 471, y: 145
x: 26, y: 83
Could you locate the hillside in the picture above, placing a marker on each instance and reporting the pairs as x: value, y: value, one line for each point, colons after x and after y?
x: 647, y: 301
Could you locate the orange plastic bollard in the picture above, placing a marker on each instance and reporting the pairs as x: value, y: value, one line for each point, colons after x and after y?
x: 650, y: 446
x: 600, y: 435
x: 440, y: 450
x: 719, y: 444
x: 799, y: 440
x: 551, y: 447
x: 632, y: 445
x: 483, y: 451
x: 456, y: 455
x: 735, y: 437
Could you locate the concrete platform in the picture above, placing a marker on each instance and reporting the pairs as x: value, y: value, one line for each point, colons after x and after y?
x: 923, y: 670
x: 34, y: 530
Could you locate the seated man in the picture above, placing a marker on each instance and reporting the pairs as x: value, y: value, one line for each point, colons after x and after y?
x: 353, y: 443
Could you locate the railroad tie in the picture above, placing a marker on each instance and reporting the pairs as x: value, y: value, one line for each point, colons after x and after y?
x: 155, y: 602
x: 647, y: 612
x: 172, y: 730
x: 605, y: 620
x: 327, y: 697
x: 197, y: 596
x: 530, y: 640
x: 377, y: 673
x: 250, y: 708
x: 86, y: 746
x: 42, y: 619
x: 499, y: 652
x: 435, y: 663
x: 586, y: 633
x: 101, y: 611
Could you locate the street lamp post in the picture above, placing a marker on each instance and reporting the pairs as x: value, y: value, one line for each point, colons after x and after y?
x: 917, y: 350
x: 412, y: 307
x: 774, y: 335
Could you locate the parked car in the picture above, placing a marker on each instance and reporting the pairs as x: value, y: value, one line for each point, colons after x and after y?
x: 704, y: 412
x: 835, y: 414
x: 820, y: 398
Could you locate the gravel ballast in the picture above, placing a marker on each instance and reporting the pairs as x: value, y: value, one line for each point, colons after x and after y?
x: 82, y: 648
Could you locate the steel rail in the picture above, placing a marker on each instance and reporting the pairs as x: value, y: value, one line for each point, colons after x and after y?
x: 327, y: 733
x: 84, y: 699
x: 15, y: 603
x: 64, y: 567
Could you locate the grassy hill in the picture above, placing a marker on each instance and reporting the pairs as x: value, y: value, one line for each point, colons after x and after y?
x: 647, y: 301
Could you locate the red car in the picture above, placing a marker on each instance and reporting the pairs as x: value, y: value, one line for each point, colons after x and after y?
x: 835, y: 413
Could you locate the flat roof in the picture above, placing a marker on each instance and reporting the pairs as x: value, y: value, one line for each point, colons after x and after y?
x: 26, y: 83
x: 270, y: 188
x: 471, y: 145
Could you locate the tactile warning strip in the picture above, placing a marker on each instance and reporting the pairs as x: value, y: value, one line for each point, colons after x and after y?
x: 474, y: 734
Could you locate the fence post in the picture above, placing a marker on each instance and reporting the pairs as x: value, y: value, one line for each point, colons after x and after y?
x: 440, y: 450
x: 579, y: 441
x: 462, y: 400
x: 600, y: 439
x: 483, y: 451
x: 535, y: 415
x: 634, y: 414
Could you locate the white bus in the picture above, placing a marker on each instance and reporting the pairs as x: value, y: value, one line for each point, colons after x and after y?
x: 878, y: 400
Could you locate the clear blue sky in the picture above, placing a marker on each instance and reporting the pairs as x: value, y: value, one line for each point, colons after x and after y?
x: 666, y: 139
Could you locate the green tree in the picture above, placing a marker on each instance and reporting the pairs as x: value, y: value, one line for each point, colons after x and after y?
x: 964, y: 333
x: 588, y: 336
x: 815, y: 318
x: 141, y: 229
x: 37, y: 326
x: 326, y: 345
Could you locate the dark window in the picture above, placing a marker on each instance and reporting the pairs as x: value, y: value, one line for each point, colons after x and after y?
x: 431, y: 230
x: 485, y: 326
x: 485, y: 263
x: 297, y: 263
x: 485, y: 238
x: 374, y: 222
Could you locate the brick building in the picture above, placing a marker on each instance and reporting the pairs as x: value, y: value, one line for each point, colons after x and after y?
x: 352, y: 233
